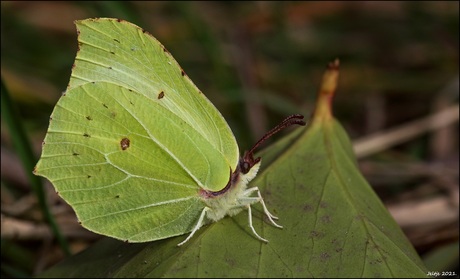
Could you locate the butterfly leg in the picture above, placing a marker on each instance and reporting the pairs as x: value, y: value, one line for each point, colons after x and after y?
x: 197, y: 226
x: 261, y: 200
x: 251, y: 226
x: 247, y: 192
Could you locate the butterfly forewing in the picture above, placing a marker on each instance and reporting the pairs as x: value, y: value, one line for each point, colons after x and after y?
x: 133, y: 141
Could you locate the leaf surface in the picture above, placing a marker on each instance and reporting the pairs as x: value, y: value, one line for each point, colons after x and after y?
x: 334, y: 223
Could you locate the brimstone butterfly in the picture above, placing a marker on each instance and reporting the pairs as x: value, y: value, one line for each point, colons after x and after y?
x: 136, y: 149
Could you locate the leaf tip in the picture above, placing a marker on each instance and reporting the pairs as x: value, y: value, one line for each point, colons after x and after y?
x: 327, y: 90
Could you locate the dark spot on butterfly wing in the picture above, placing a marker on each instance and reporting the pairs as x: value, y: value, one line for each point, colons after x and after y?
x: 165, y: 50
x: 125, y: 143
x: 144, y: 31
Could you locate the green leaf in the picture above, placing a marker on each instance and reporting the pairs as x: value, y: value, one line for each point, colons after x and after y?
x: 334, y: 224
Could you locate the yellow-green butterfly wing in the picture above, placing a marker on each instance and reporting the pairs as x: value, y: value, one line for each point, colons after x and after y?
x: 133, y: 141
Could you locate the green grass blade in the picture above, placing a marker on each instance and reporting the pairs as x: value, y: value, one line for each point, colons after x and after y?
x: 24, y: 150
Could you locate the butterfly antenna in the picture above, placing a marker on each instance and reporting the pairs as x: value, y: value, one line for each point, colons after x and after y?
x: 248, y: 159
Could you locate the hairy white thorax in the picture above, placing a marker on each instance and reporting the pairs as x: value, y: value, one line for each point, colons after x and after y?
x: 232, y: 202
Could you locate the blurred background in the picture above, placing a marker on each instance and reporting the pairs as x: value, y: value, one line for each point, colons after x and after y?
x: 257, y: 62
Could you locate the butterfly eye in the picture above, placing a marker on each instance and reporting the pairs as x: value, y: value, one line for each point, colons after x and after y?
x: 245, y: 167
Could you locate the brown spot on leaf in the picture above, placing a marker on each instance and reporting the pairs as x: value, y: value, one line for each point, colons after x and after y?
x: 324, y: 256
x: 316, y: 234
x: 161, y: 95
x: 89, y: 118
x: 86, y: 135
x: 116, y: 40
x: 326, y: 219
